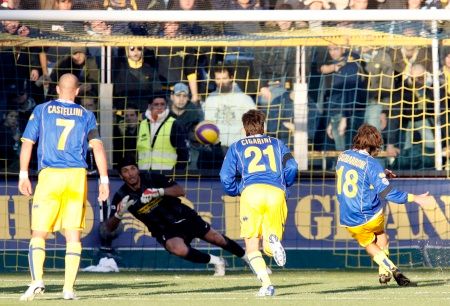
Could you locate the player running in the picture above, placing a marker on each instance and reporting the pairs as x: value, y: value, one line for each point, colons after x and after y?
x: 361, y: 183
x: 266, y: 168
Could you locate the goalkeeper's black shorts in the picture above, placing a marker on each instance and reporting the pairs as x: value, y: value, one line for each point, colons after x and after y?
x: 187, y: 229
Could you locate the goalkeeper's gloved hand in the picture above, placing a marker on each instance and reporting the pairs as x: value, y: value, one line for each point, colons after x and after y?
x: 151, y: 193
x: 123, y: 206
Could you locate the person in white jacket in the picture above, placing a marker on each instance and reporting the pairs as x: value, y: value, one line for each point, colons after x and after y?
x: 226, y: 106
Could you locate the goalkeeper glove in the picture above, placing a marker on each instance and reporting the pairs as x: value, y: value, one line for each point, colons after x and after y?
x: 123, y: 206
x: 151, y: 193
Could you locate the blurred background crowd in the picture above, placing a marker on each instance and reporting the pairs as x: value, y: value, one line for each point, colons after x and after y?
x: 165, y: 91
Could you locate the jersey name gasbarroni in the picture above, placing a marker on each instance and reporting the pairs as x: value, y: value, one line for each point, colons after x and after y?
x: 352, y: 161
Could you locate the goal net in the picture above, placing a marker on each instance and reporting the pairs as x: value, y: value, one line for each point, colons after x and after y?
x: 317, y: 75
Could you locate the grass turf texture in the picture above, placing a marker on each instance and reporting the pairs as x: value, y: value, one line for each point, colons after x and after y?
x: 293, y: 287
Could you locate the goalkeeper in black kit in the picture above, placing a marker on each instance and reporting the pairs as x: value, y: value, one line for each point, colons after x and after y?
x: 153, y: 199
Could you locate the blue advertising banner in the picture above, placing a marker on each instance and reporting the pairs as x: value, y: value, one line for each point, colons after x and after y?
x: 312, y: 222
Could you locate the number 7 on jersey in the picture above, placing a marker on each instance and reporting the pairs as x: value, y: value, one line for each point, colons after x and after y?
x: 68, y: 125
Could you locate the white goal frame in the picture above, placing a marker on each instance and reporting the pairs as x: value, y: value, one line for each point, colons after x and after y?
x: 227, y: 15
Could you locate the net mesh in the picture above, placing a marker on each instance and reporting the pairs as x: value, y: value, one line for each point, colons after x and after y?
x: 375, y: 72
x: 396, y: 33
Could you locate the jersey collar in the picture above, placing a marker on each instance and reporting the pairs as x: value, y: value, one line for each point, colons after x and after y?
x: 364, y: 152
x: 65, y: 101
x: 256, y: 135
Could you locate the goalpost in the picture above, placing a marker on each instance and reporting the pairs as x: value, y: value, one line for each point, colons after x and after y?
x: 285, y: 63
x: 227, y: 16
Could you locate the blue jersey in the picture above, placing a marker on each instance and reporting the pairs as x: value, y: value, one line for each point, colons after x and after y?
x: 62, y: 128
x: 360, y: 185
x: 258, y: 159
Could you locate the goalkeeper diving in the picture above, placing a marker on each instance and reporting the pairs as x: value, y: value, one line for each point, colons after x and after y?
x: 154, y: 200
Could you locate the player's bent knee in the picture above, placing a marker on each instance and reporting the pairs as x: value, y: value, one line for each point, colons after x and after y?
x: 215, y: 237
x: 177, y: 248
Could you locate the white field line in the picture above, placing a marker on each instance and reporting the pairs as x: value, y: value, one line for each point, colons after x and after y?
x: 150, y: 279
x: 177, y: 297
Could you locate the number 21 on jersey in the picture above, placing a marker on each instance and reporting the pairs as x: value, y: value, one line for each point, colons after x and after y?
x: 256, y: 163
x: 347, y: 182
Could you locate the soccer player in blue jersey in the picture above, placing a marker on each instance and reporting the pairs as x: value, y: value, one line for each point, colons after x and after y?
x: 64, y: 130
x: 361, y: 184
x: 266, y: 168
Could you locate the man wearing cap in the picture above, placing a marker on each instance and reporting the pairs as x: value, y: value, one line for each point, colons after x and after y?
x: 187, y: 114
x: 82, y: 66
x: 162, y: 140
x: 155, y: 200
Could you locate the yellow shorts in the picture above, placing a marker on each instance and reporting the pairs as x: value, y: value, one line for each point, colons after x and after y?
x: 263, y: 211
x: 366, y: 233
x: 59, y: 201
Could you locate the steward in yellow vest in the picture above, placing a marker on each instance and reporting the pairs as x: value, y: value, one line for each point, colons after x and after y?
x: 161, y: 141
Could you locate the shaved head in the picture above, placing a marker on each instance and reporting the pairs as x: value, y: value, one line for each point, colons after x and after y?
x: 67, y: 87
x: 68, y: 80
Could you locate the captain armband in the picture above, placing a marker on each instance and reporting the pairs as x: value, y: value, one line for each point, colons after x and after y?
x: 410, y: 197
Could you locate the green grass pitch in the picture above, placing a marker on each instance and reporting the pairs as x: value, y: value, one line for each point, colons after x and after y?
x: 293, y: 287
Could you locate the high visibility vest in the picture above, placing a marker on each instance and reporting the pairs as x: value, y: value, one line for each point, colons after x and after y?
x: 158, y: 154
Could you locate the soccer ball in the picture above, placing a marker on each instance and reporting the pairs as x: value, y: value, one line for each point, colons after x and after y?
x: 206, y: 132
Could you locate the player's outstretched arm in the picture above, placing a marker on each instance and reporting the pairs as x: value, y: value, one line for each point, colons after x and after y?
x: 175, y: 191
x: 25, y: 187
x: 423, y: 199
x: 154, y: 193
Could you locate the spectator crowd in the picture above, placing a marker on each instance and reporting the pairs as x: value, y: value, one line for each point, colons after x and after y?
x: 161, y: 93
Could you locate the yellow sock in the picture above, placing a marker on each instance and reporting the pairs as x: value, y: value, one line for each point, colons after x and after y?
x: 73, y: 256
x: 381, y: 269
x: 259, y: 267
x: 36, y: 258
x: 383, y: 261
